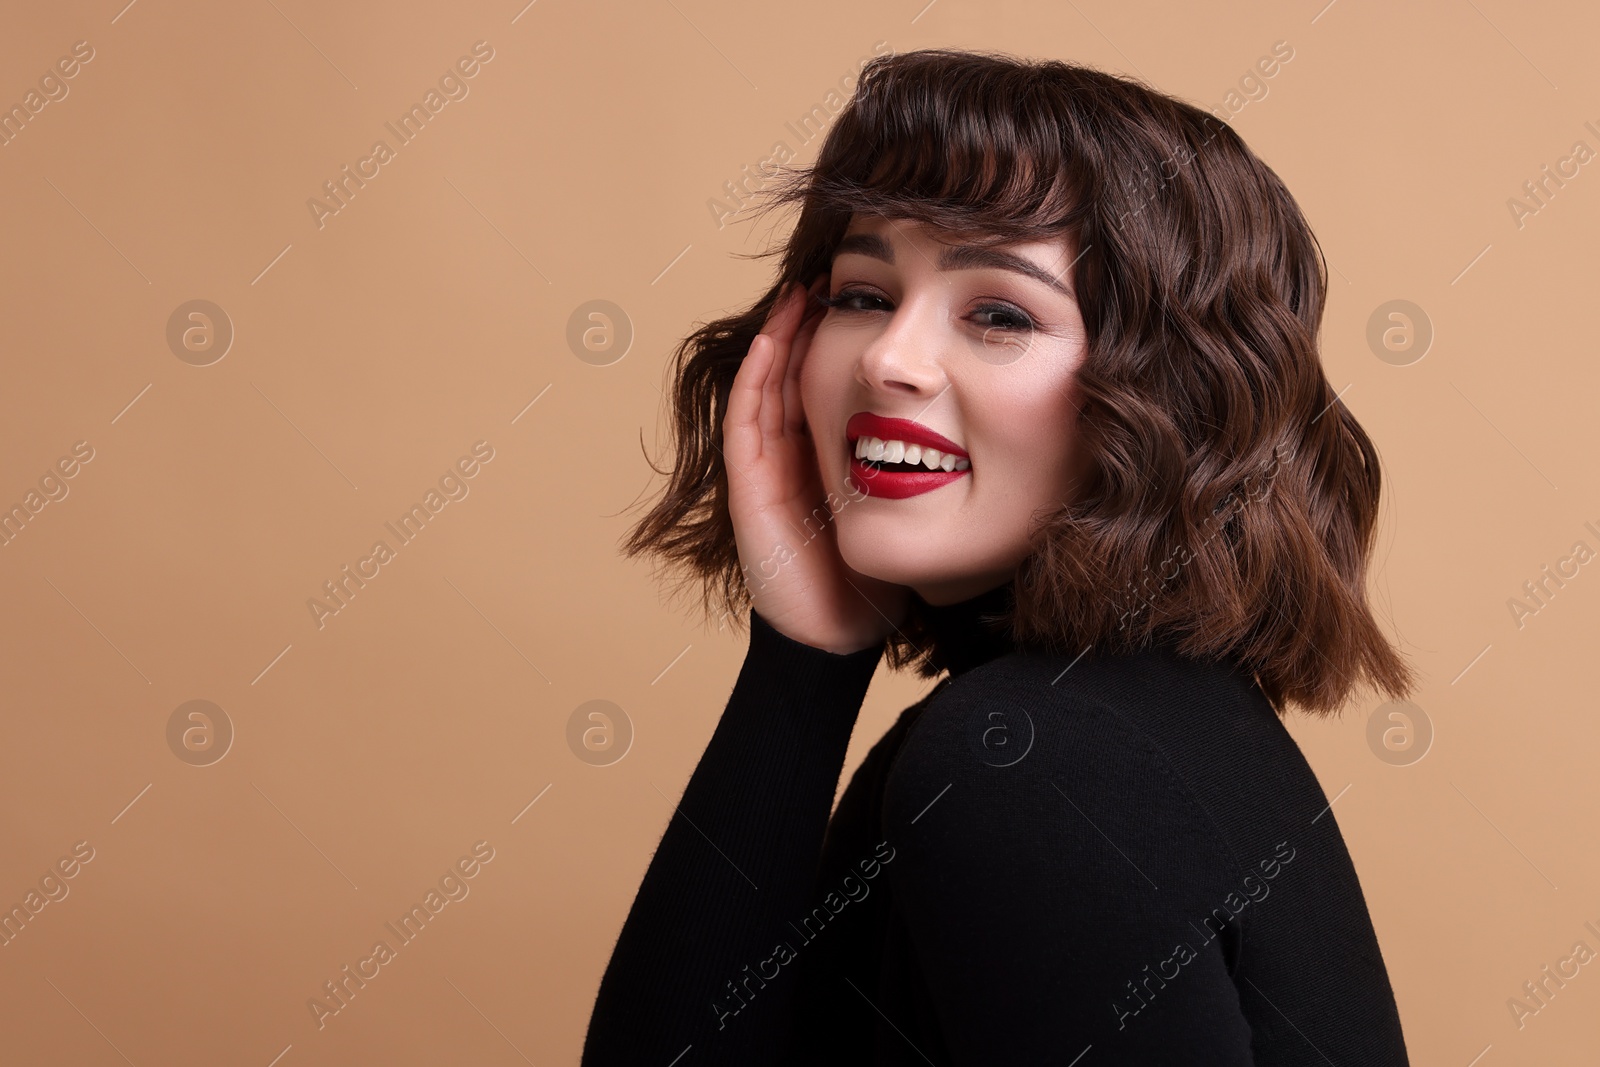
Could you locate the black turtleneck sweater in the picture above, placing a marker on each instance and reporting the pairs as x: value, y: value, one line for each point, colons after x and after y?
x: 1118, y: 859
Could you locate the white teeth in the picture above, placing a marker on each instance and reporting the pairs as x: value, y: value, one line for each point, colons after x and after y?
x: 879, y: 450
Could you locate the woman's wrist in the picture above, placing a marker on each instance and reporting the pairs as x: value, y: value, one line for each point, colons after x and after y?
x: 849, y: 649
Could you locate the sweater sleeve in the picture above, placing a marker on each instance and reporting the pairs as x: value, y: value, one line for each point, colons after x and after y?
x: 1057, y: 891
x: 696, y: 966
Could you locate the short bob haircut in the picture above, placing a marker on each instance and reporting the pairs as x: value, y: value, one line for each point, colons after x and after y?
x: 1232, y: 499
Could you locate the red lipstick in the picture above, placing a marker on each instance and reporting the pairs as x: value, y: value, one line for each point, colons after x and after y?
x: 866, y: 424
x: 898, y: 485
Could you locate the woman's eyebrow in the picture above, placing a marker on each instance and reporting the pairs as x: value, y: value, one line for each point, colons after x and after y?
x: 955, y: 257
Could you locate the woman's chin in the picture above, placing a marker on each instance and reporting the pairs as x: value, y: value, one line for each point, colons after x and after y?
x: 883, y: 563
x: 873, y: 562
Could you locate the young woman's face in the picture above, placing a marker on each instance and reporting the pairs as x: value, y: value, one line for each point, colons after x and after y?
x: 974, y: 350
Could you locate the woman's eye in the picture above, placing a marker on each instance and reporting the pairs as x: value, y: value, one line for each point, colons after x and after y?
x: 1009, y: 318
x: 986, y: 316
x: 846, y: 300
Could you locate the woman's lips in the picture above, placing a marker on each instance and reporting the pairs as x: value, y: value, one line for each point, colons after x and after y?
x: 897, y: 485
x: 868, y: 424
x: 894, y: 484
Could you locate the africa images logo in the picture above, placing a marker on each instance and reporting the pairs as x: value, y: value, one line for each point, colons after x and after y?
x: 1255, y: 890
x: 453, y: 85
x: 340, y: 990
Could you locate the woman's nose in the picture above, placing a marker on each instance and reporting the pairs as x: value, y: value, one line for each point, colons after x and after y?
x: 907, y: 357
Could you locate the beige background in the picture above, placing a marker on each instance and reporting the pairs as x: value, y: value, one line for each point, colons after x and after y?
x: 427, y: 314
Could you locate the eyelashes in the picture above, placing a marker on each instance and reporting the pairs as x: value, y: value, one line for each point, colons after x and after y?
x: 1019, y: 321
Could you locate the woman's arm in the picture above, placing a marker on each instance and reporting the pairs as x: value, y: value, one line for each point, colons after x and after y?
x: 697, y: 964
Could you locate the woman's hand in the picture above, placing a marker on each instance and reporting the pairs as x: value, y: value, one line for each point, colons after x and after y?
x: 802, y: 588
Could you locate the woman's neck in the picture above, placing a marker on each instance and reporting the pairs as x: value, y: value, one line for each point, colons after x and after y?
x: 972, y: 631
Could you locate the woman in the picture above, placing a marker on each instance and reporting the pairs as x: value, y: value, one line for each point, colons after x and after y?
x: 1036, y: 402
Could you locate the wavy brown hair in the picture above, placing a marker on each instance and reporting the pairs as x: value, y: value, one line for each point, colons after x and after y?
x: 1233, y: 498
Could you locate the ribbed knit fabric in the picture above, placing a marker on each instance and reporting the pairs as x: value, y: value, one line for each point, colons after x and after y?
x: 1121, y: 858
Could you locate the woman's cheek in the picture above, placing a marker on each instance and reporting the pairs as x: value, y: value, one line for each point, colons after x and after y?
x: 820, y: 414
x: 823, y: 382
x: 808, y: 383
x: 1041, y: 466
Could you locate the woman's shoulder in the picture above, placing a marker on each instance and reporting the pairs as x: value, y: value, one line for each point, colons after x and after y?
x: 1031, y: 720
x: 1006, y: 780
x: 1153, y: 700
x: 1143, y: 749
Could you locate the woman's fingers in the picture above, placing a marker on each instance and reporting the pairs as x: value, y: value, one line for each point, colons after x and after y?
x: 766, y: 417
x: 740, y: 429
x: 794, y: 415
x: 810, y: 316
x: 772, y: 386
x: 779, y: 330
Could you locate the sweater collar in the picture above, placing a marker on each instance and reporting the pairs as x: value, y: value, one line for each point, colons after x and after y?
x: 970, y: 632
